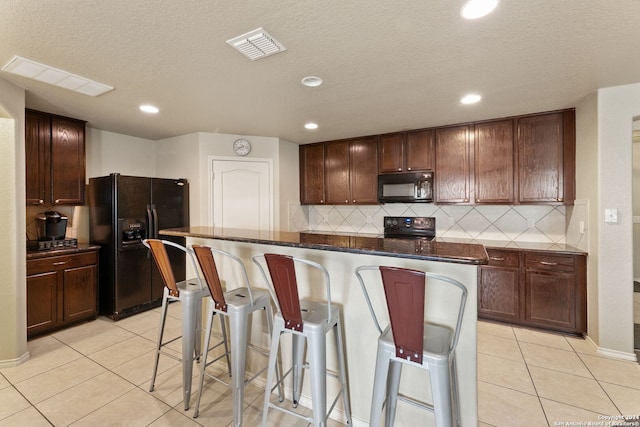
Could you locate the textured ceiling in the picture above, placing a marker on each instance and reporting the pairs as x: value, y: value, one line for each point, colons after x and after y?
x: 387, y: 66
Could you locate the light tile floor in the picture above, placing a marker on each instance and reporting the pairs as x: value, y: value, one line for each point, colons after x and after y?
x: 97, y: 374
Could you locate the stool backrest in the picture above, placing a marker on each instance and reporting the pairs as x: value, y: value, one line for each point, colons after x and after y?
x: 204, y: 255
x: 404, y: 290
x: 159, y: 252
x: 405, y: 299
x: 284, y: 286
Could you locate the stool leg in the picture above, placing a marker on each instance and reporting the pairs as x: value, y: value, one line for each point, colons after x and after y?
x: 298, y: 342
x: 190, y: 308
x: 379, y: 386
x: 441, y: 392
x: 337, y: 333
x: 269, y: 315
x: 223, y: 327
x: 393, y: 384
x: 273, y: 362
x: 238, y: 325
x: 454, y: 390
x: 163, y: 319
x: 318, y: 372
x: 203, y: 362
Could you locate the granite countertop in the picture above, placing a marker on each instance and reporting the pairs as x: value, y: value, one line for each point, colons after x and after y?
x: 82, y: 247
x: 371, y: 244
x: 529, y: 246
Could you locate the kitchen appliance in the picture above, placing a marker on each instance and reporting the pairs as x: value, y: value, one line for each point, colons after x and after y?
x: 43, y: 245
x: 124, y: 210
x: 52, y: 225
x: 410, y: 227
x: 416, y: 187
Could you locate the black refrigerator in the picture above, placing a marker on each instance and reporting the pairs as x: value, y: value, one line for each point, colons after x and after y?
x: 124, y: 210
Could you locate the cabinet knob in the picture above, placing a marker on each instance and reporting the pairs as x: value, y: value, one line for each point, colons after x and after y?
x: 41, y: 201
x: 321, y: 201
x: 354, y: 200
x: 399, y: 169
x: 408, y: 169
x: 559, y: 199
x: 57, y: 201
x: 346, y: 201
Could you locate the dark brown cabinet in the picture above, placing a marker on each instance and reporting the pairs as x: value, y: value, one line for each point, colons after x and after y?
x: 312, y: 174
x: 406, y: 152
x: 499, y: 286
x: 61, y: 290
x: 351, y: 171
x: 534, y: 288
x: 454, y: 165
x: 546, y: 158
x: 55, y: 159
x: 494, y: 155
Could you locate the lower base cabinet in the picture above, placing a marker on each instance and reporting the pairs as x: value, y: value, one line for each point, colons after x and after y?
x: 61, y: 290
x: 534, y: 288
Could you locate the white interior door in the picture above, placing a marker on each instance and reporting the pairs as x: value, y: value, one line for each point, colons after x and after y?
x: 242, y: 193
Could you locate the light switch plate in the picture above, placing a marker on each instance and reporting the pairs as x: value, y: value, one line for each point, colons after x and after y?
x: 611, y: 216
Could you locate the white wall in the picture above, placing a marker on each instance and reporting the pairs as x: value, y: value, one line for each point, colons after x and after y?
x: 617, y: 109
x: 289, y: 182
x: 108, y: 152
x: 13, y: 301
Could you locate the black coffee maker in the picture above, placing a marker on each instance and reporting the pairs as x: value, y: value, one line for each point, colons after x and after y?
x: 52, y: 225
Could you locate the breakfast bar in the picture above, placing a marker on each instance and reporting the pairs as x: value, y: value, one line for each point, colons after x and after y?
x: 341, y: 254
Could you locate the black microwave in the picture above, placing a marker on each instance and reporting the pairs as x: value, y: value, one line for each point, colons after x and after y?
x: 415, y: 187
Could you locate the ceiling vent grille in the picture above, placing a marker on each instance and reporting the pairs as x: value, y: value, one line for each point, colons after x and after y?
x: 256, y: 44
x: 44, y: 73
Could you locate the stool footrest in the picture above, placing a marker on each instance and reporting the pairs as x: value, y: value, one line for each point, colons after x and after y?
x: 415, y: 402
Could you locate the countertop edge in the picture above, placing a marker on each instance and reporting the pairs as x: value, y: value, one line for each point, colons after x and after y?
x: 61, y: 252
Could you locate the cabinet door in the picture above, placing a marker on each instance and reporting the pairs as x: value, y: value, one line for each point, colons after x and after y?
x: 499, y: 286
x: 550, y: 299
x: 67, y: 161
x: 37, y: 157
x: 454, y: 166
x: 363, y: 154
x: 419, y: 150
x: 336, y: 169
x: 42, y: 302
x: 80, y: 299
x: 540, y: 158
x: 494, y: 162
x: 312, y: 174
x: 391, y: 153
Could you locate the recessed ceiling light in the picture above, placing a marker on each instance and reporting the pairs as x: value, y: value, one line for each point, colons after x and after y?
x: 477, y: 8
x: 149, y: 109
x: 311, y: 126
x: 471, y: 99
x: 312, y: 81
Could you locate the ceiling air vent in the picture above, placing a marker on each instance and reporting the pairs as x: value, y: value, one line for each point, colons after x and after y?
x: 256, y: 44
x: 44, y: 73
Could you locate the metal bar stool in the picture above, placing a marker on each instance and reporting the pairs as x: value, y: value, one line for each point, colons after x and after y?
x: 238, y: 305
x: 412, y: 341
x: 307, y: 321
x: 190, y: 294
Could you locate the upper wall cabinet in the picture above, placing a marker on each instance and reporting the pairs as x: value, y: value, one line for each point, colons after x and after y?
x: 546, y: 157
x: 351, y: 171
x: 454, y: 164
x: 494, y: 160
x: 55, y: 159
x: 312, y: 174
x: 405, y: 151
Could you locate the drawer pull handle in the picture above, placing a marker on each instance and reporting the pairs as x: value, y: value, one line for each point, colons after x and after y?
x: 548, y: 263
x: 496, y: 258
x: 60, y: 263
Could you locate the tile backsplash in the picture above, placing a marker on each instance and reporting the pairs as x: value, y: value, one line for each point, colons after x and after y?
x: 530, y: 223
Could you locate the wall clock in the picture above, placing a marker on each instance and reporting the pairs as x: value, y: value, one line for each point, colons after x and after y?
x: 241, y: 147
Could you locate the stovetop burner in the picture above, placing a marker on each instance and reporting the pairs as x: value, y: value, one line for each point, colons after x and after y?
x: 410, y: 227
x: 43, y: 245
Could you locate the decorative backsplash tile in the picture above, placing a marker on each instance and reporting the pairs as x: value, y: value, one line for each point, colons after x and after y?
x: 531, y: 223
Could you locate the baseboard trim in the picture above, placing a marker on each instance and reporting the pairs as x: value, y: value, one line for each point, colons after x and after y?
x: 11, y: 363
x: 615, y: 354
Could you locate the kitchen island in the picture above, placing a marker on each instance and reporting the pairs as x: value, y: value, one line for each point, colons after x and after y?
x: 341, y: 254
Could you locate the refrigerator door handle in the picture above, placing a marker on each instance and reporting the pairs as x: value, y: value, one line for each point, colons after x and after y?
x: 155, y: 221
x: 150, y: 225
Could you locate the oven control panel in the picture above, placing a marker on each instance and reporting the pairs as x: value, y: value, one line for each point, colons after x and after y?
x: 409, y: 226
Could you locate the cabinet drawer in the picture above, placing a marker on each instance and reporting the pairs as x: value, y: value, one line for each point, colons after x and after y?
x: 554, y: 263
x: 503, y: 258
x: 41, y: 265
